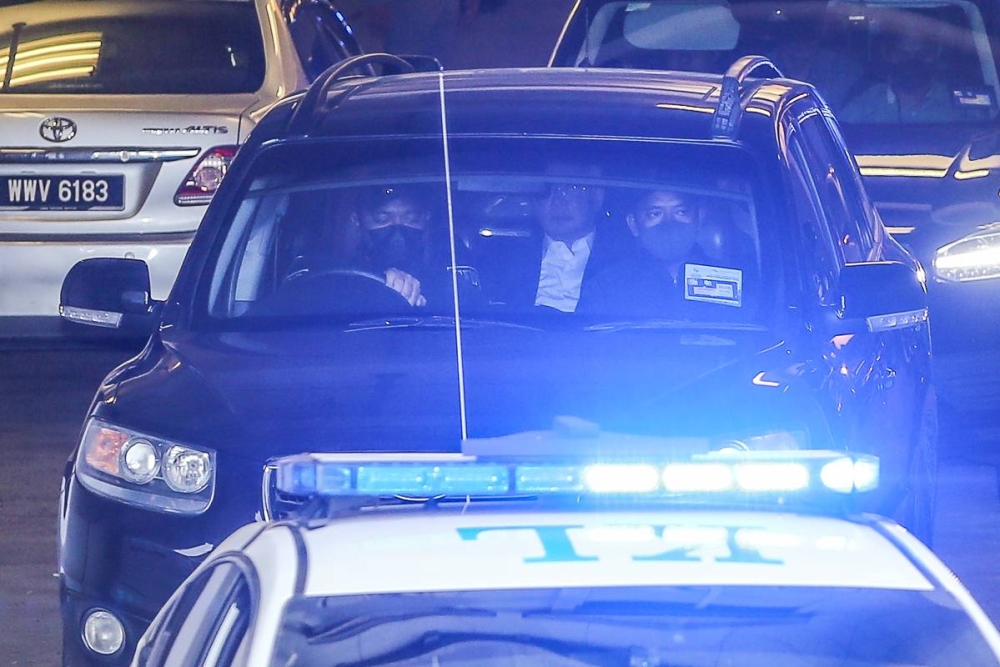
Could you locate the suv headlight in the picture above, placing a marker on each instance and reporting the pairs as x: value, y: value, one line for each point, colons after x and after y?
x: 145, y: 471
x: 975, y: 257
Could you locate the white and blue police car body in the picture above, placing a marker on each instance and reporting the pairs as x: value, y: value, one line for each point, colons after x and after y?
x: 726, y: 559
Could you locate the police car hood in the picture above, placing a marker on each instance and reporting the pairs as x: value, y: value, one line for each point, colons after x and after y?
x: 261, y: 395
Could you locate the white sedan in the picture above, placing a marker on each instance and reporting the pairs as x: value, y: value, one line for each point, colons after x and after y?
x: 118, y: 120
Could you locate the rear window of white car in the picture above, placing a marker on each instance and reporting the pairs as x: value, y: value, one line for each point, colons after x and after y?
x: 159, y: 48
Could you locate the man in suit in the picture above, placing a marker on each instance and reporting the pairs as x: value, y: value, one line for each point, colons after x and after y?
x: 550, y: 267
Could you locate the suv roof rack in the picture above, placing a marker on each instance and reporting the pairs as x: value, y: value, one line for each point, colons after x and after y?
x: 729, y: 112
x: 312, y: 102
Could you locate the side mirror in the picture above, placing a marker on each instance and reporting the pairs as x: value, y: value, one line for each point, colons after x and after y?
x: 881, y: 296
x: 112, y: 293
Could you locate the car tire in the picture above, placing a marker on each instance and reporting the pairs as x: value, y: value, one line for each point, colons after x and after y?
x: 917, y: 510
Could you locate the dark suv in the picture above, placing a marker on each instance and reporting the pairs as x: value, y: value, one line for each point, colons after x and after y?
x: 632, y: 261
x: 914, y: 85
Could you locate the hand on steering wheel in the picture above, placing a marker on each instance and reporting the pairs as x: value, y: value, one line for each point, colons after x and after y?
x: 399, y: 282
x: 406, y: 286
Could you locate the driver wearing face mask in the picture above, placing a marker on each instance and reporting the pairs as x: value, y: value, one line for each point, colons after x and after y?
x: 393, y: 223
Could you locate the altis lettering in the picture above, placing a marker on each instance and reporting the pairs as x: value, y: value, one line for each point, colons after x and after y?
x: 558, y: 547
x: 37, y: 190
x: 190, y: 129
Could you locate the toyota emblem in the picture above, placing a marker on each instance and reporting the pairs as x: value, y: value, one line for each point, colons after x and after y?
x: 57, y: 129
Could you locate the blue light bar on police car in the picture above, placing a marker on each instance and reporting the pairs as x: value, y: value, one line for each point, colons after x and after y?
x: 433, y: 475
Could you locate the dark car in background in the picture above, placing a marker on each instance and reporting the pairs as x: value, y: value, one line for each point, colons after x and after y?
x: 792, y: 320
x: 914, y: 85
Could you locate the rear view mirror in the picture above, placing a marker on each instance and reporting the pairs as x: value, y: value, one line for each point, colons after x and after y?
x: 112, y: 293
x: 881, y: 296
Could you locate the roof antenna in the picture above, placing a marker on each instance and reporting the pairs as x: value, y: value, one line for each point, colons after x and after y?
x: 454, y: 260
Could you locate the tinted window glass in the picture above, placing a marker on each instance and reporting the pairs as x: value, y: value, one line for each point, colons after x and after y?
x: 820, y: 264
x: 656, y: 230
x: 175, y: 48
x: 318, y: 37
x: 899, y: 63
x: 833, y: 179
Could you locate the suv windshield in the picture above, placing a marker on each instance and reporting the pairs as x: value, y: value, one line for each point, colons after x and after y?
x: 898, y: 62
x: 695, y: 625
x: 142, y: 48
x: 667, y: 232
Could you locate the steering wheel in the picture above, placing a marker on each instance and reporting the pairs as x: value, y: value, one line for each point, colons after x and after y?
x: 366, y: 277
x: 360, y: 273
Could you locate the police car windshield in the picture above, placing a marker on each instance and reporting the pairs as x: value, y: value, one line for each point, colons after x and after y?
x: 896, y: 63
x: 506, y: 230
x: 696, y: 625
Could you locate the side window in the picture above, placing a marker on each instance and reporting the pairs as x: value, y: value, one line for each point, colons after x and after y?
x: 833, y: 174
x: 320, y: 36
x: 819, y: 258
x: 868, y: 217
x: 249, y: 247
x: 208, y: 624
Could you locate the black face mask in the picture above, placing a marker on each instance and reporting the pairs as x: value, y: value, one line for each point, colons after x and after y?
x: 669, y: 241
x: 396, y: 246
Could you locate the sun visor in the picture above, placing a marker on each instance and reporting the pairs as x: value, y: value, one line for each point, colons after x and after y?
x: 681, y: 26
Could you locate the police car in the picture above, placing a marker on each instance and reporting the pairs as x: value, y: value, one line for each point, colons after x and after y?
x: 741, y: 322
x: 728, y: 559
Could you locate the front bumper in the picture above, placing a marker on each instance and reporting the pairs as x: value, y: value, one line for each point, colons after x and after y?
x: 74, y: 608
x: 129, y: 560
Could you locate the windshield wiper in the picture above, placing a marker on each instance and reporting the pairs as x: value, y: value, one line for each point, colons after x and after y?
x: 634, y: 325
x: 15, y: 40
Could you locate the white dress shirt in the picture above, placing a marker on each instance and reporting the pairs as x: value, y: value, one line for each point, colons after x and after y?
x: 562, y: 273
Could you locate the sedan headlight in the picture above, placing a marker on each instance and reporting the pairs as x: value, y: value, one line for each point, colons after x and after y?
x: 145, y: 471
x: 975, y: 257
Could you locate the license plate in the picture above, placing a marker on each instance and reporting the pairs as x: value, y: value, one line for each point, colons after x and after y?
x: 62, y: 193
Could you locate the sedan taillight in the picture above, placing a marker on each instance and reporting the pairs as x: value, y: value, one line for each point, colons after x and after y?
x: 206, y: 175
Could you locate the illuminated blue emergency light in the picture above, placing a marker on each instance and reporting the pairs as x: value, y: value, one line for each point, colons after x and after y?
x: 457, y: 475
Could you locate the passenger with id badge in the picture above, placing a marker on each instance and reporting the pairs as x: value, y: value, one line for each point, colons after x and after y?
x: 670, y: 269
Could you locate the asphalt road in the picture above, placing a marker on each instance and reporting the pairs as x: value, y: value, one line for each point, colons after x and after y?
x: 45, y: 392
